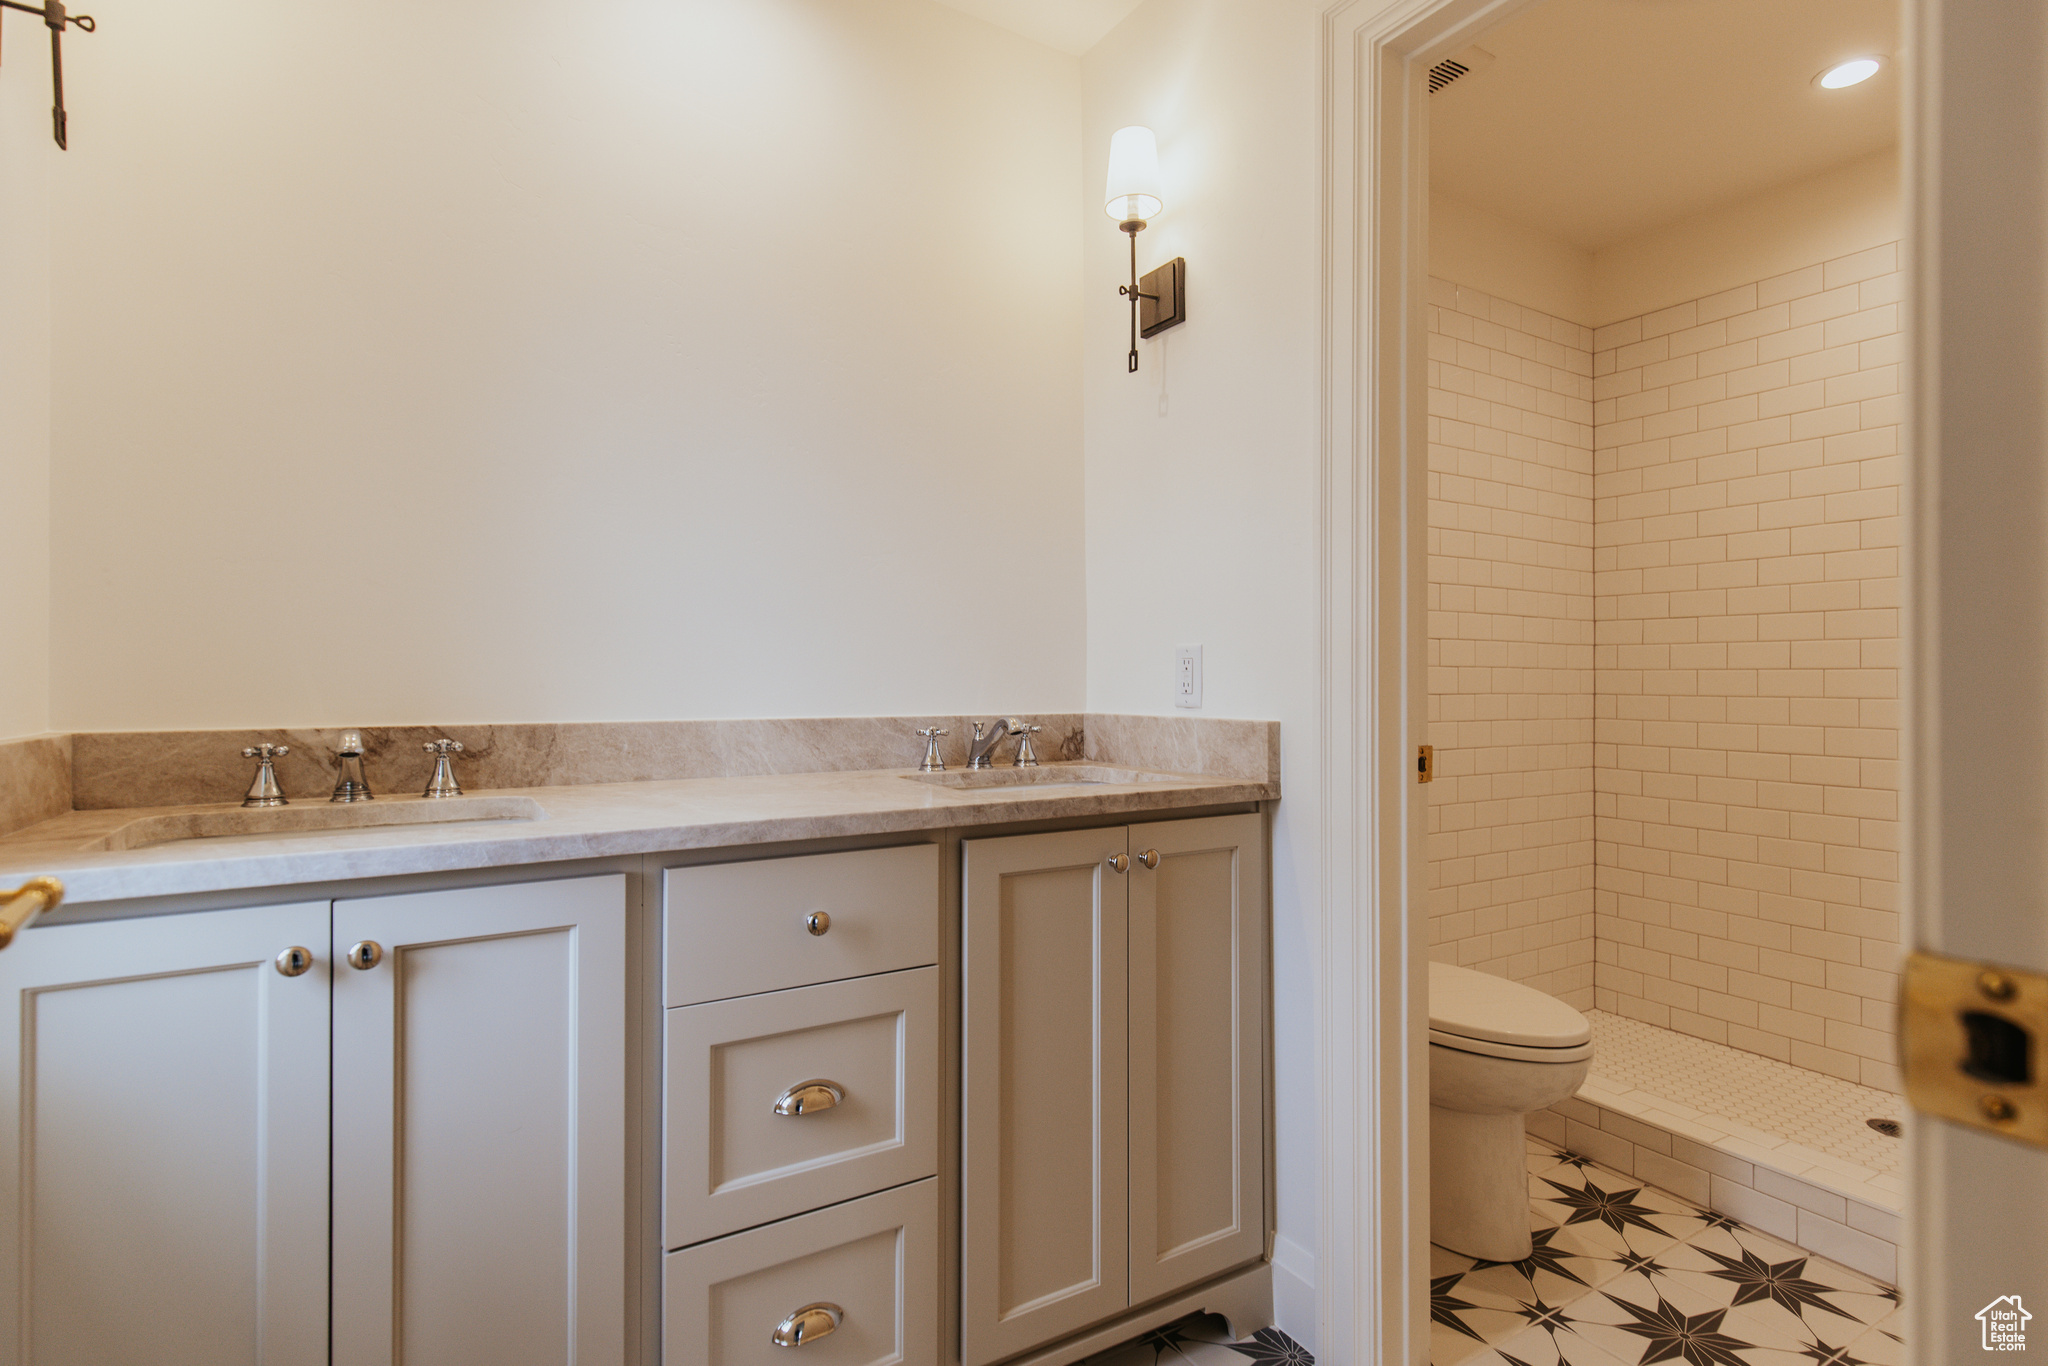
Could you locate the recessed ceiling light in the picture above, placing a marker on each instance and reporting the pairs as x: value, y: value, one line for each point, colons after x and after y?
x: 1851, y: 72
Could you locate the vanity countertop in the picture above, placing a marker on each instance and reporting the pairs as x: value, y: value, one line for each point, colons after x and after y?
x: 588, y: 821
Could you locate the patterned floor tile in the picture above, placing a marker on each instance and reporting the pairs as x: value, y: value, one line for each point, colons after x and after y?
x: 1543, y: 1345
x: 1884, y: 1345
x: 1623, y: 1274
x: 1643, y: 1218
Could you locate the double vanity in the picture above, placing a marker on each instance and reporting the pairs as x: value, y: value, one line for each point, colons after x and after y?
x: 865, y: 1065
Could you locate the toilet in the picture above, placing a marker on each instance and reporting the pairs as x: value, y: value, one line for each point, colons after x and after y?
x: 1497, y: 1050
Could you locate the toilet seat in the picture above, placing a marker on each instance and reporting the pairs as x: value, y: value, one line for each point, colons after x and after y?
x: 1476, y: 1012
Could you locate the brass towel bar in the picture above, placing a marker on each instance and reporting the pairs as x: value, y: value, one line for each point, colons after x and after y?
x: 20, y: 907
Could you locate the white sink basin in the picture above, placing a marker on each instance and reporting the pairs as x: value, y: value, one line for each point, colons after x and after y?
x: 312, y: 819
x: 1045, y: 775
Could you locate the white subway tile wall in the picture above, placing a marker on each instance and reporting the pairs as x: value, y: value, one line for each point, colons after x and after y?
x: 1511, y: 655
x: 1746, y: 532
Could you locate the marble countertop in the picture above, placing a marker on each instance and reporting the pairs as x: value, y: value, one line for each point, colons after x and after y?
x: 580, y: 822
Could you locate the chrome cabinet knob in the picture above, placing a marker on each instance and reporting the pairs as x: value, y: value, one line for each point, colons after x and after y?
x: 365, y: 955
x: 1150, y: 858
x: 808, y: 1096
x: 808, y: 1324
x: 818, y: 922
x: 295, y: 961
x: 1120, y: 862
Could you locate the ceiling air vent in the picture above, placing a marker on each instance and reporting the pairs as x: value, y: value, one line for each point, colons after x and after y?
x: 1462, y: 64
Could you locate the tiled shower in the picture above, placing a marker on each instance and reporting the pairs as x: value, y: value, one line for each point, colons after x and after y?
x: 1664, y: 650
x: 1663, y: 592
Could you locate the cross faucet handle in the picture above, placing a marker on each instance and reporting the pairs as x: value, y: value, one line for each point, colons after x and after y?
x: 1027, y: 757
x: 442, y: 782
x: 934, y: 762
x: 263, y: 789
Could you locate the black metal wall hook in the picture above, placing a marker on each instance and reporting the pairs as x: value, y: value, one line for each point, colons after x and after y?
x: 55, y: 17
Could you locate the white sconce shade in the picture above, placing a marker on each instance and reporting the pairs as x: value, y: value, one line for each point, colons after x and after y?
x: 1133, y: 175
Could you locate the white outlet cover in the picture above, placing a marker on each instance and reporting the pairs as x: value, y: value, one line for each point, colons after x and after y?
x: 1187, y: 676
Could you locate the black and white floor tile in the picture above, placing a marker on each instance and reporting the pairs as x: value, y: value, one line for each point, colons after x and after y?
x: 1626, y: 1275
x: 1204, y: 1340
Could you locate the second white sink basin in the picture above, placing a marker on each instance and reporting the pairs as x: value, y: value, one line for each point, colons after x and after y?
x: 314, y: 818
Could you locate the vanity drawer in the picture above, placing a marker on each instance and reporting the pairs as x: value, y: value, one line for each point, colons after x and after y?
x: 874, y: 1261
x: 732, y: 1160
x: 738, y: 928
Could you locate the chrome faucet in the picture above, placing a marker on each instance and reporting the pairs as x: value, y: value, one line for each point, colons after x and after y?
x: 264, y: 791
x: 352, y: 786
x: 983, y: 746
x: 442, y: 783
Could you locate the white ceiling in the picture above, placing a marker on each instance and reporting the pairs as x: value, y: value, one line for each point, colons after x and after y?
x: 1069, y: 25
x: 1601, y: 119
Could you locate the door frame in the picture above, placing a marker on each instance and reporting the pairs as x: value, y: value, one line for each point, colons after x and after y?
x: 1372, y: 1253
x: 1974, y: 798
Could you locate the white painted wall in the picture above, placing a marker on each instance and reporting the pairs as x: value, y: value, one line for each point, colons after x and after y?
x: 28, y: 159
x: 1507, y: 260
x: 1202, y: 467
x: 1838, y: 213
x: 1844, y: 210
x: 499, y: 362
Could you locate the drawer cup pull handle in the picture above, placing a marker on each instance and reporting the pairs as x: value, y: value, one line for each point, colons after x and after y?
x: 808, y: 1324
x: 806, y: 1096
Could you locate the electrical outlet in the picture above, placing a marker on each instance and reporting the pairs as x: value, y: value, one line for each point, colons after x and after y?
x: 1187, y: 676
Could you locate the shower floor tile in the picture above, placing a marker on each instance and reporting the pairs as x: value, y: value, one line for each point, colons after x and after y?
x: 1711, y: 1091
x: 1623, y: 1274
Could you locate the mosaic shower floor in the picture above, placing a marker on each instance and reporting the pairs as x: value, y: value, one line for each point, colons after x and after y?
x: 1625, y: 1275
x: 1735, y: 1092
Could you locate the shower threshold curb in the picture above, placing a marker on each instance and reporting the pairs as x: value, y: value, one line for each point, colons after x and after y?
x: 1826, y: 1205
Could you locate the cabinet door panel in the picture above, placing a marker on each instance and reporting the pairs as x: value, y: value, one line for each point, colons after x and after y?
x: 1043, y: 1096
x: 479, y: 1136
x: 163, y: 1142
x: 1197, y: 1051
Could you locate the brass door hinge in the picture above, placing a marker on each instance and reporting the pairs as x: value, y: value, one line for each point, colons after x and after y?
x: 1970, y: 1038
x: 1425, y: 763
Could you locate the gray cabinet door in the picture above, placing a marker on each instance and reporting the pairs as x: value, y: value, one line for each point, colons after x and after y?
x: 1043, y: 1163
x: 1197, y: 1051
x: 479, y: 1127
x: 163, y: 1142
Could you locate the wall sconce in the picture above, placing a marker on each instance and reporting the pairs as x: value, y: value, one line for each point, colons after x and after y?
x: 1158, y: 301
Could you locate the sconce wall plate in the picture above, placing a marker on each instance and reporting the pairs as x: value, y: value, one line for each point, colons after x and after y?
x: 1163, y: 298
